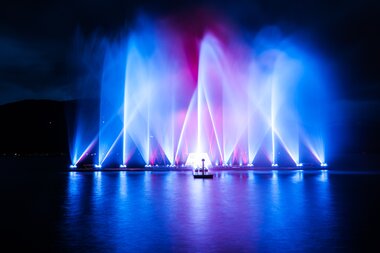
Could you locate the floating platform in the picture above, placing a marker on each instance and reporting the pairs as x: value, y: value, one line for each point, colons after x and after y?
x: 203, y: 175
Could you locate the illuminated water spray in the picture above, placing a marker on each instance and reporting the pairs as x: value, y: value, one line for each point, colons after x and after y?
x: 163, y: 100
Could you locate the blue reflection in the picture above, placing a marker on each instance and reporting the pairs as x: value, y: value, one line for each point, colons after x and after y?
x: 298, y: 176
x: 251, y: 175
x: 323, y: 177
x: 275, y: 189
x: 98, y: 183
x: 123, y: 184
x: 73, y: 190
x: 145, y: 211
x: 274, y: 175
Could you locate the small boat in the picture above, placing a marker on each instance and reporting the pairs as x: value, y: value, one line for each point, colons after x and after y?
x: 202, y: 172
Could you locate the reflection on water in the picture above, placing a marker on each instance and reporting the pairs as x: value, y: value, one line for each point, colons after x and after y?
x: 171, y: 211
x: 45, y: 210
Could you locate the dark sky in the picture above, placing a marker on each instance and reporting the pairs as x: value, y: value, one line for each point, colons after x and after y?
x: 37, y: 37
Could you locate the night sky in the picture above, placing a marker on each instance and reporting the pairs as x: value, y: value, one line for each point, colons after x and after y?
x: 37, y: 41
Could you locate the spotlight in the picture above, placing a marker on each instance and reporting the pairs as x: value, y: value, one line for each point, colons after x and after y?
x: 123, y: 166
x: 73, y: 166
x: 249, y: 164
x: 240, y: 164
x: 274, y: 165
x: 98, y: 166
x: 299, y: 164
x: 323, y: 164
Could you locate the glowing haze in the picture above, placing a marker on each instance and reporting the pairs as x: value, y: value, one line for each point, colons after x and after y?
x: 167, y: 89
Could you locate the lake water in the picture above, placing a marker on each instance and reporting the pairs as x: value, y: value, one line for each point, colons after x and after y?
x: 237, y: 211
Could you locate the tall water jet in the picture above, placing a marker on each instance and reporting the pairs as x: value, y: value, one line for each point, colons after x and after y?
x: 110, y: 124
x: 136, y: 108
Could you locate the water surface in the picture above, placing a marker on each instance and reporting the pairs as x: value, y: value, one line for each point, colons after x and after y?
x: 241, y: 211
